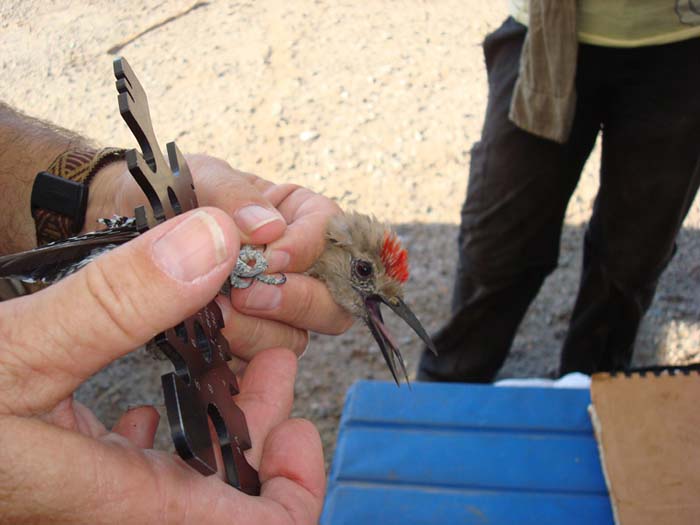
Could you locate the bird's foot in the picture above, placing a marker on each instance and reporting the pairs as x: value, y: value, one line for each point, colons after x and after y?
x: 251, y: 266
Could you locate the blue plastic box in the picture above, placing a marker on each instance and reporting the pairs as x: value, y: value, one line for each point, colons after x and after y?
x: 463, y: 454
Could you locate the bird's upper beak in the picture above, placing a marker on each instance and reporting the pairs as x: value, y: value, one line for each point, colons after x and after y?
x: 386, y: 342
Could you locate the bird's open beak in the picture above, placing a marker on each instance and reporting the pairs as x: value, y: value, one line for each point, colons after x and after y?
x: 386, y: 342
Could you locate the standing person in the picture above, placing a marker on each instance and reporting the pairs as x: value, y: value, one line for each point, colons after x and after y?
x: 629, y: 71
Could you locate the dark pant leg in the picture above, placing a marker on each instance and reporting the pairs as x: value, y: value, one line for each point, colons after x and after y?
x: 649, y: 176
x: 519, y: 187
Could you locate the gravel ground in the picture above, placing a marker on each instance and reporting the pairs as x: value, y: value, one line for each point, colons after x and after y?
x: 375, y: 104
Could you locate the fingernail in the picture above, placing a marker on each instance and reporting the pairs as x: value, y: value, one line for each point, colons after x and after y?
x: 192, y: 249
x: 254, y: 217
x: 263, y: 297
x: 277, y: 260
x: 303, y: 352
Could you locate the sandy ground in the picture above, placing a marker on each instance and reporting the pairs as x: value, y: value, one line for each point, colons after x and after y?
x: 393, y: 94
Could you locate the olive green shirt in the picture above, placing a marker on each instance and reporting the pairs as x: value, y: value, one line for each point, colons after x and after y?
x: 544, y: 98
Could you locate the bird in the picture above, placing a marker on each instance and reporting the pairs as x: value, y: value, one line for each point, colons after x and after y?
x: 363, y: 265
x: 51, y: 262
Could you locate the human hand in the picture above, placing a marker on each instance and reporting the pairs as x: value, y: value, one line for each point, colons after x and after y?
x: 289, y: 219
x: 58, y: 464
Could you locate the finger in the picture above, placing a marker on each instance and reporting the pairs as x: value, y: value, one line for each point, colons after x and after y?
x: 277, y: 193
x: 60, y: 336
x: 304, y: 240
x: 266, y: 395
x: 52, y: 475
x: 237, y: 366
x: 240, y: 195
x: 292, y: 469
x: 73, y: 415
x: 302, y: 302
x: 293, y: 484
x: 139, y: 426
x: 247, y: 335
x: 75, y: 479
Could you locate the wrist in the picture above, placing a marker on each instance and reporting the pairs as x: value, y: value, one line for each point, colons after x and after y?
x: 61, y: 196
x: 107, y: 194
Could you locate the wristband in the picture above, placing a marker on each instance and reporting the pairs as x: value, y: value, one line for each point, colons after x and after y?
x: 60, y: 194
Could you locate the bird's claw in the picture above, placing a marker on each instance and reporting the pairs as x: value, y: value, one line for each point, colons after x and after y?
x: 245, y: 273
x: 272, y: 279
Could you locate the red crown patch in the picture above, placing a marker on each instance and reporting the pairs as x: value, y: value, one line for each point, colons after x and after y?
x: 395, y: 258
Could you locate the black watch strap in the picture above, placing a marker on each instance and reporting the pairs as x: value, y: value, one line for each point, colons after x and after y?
x: 60, y: 194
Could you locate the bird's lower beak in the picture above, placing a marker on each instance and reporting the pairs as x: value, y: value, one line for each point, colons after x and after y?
x: 387, y: 344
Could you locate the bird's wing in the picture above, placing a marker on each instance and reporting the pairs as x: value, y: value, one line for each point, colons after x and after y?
x: 54, y: 261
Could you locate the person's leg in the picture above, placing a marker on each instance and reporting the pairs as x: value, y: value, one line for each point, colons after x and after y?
x: 519, y: 187
x: 649, y: 177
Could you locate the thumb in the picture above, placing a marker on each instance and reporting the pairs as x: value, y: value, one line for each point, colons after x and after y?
x: 58, y: 337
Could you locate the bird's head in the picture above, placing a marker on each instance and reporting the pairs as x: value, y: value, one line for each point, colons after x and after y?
x: 364, y: 265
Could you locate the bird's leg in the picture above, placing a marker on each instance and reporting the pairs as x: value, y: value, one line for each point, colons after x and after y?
x: 244, y: 273
x: 116, y: 221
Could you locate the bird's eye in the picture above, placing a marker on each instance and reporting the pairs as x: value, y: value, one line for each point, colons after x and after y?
x: 363, y: 269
